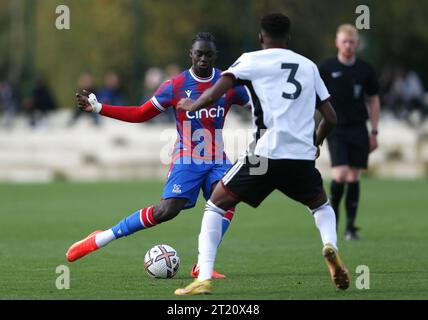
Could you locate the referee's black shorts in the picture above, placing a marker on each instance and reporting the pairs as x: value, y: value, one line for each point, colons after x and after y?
x: 349, y: 145
x: 297, y: 179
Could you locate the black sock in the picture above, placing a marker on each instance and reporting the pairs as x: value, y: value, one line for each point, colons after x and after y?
x: 336, y: 190
x: 352, y: 198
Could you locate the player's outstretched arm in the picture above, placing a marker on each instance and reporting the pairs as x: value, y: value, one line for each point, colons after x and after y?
x: 88, y: 102
x: 327, y: 123
x: 209, y: 96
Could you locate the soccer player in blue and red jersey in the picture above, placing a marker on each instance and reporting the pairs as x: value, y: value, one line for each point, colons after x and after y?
x: 198, y: 162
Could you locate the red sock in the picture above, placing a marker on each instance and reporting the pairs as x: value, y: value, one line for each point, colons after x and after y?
x: 229, y: 214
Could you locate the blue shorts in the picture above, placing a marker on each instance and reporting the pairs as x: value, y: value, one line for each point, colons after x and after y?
x: 186, y: 180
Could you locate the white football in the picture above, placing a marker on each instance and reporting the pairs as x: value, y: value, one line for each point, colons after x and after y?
x: 161, y: 261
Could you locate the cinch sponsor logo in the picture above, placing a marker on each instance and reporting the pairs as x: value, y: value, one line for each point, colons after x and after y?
x: 214, y: 112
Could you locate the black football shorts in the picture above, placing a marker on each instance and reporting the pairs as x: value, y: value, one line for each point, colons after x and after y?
x: 349, y: 145
x: 252, y: 179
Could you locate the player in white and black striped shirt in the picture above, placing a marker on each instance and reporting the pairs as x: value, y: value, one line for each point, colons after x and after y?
x: 286, y: 88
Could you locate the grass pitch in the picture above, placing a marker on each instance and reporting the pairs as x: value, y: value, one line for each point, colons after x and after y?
x: 273, y: 252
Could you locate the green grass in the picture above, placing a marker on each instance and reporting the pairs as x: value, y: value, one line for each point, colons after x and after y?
x: 273, y: 252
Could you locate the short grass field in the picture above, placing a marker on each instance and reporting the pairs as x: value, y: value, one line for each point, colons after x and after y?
x: 273, y: 252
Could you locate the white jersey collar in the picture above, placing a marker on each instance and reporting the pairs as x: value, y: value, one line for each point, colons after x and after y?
x: 199, y: 79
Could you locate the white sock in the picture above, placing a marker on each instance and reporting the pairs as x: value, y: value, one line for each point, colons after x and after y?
x: 104, y: 238
x: 325, y: 221
x: 209, y: 239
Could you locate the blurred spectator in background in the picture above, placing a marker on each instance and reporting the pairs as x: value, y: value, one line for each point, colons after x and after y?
x: 111, y: 92
x: 41, y: 103
x: 85, y: 82
x: 172, y: 70
x: 153, y: 78
x: 407, y: 95
x: 386, y: 80
x: 8, y: 107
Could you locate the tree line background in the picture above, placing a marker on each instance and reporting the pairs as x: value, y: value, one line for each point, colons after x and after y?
x: 129, y: 36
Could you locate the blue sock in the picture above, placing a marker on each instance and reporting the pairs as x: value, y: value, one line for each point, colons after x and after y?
x: 226, y: 221
x: 224, y: 226
x: 137, y: 221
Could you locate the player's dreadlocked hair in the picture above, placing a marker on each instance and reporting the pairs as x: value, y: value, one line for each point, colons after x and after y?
x: 204, y: 36
x: 276, y: 25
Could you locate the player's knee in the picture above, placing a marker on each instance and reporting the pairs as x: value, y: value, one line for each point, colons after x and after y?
x: 210, y: 206
x: 341, y: 178
x: 318, y: 202
x: 353, y: 175
x: 340, y: 175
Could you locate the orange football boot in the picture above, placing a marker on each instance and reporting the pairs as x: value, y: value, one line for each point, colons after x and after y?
x: 195, y: 273
x: 83, y: 247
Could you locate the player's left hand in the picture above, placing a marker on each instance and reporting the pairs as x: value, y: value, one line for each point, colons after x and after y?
x: 185, y: 104
x: 373, y: 142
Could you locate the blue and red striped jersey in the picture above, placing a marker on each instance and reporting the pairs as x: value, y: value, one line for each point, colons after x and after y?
x: 198, y: 133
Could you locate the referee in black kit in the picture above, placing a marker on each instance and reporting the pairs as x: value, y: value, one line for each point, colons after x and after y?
x: 354, y: 89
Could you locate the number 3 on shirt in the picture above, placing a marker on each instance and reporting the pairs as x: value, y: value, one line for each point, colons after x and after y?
x: 293, y: 69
